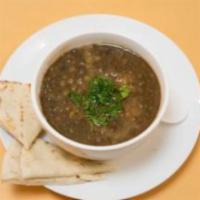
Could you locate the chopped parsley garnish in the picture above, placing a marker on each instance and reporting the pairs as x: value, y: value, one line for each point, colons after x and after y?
x: 103, y: 101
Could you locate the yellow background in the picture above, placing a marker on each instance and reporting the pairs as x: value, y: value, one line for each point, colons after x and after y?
x: 179, y: 19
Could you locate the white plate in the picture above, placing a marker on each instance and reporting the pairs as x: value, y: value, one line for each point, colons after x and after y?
x: 163, y: 154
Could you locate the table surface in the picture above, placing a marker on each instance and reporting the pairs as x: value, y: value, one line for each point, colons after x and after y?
x: 178, y: 19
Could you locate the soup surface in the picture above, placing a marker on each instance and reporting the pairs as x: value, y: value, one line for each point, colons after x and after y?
x: 100, y: 94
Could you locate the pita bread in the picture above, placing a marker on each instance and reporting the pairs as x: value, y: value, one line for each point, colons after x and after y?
x: 58, y: 162
x: 11, y: 163
x: 55, y: 181
x: 45, y: 163
x: 16, y: 113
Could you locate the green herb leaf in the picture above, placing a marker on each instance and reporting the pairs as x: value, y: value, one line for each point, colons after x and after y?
x: 124, y: 91
x: 76, y: 97
x: 103, y: 101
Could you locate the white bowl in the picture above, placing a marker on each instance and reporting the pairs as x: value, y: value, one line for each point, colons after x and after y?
x: 91, y: 151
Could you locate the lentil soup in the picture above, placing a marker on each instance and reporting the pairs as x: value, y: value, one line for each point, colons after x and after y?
x: 100, y: 94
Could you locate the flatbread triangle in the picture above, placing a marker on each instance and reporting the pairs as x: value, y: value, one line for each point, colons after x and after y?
x: 16, y: 113
x: 45, y: 163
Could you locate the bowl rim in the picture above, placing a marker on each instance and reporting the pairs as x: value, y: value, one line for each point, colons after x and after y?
x: 46, y: 125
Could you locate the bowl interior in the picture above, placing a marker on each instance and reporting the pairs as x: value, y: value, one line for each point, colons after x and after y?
x: 100, y: 38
